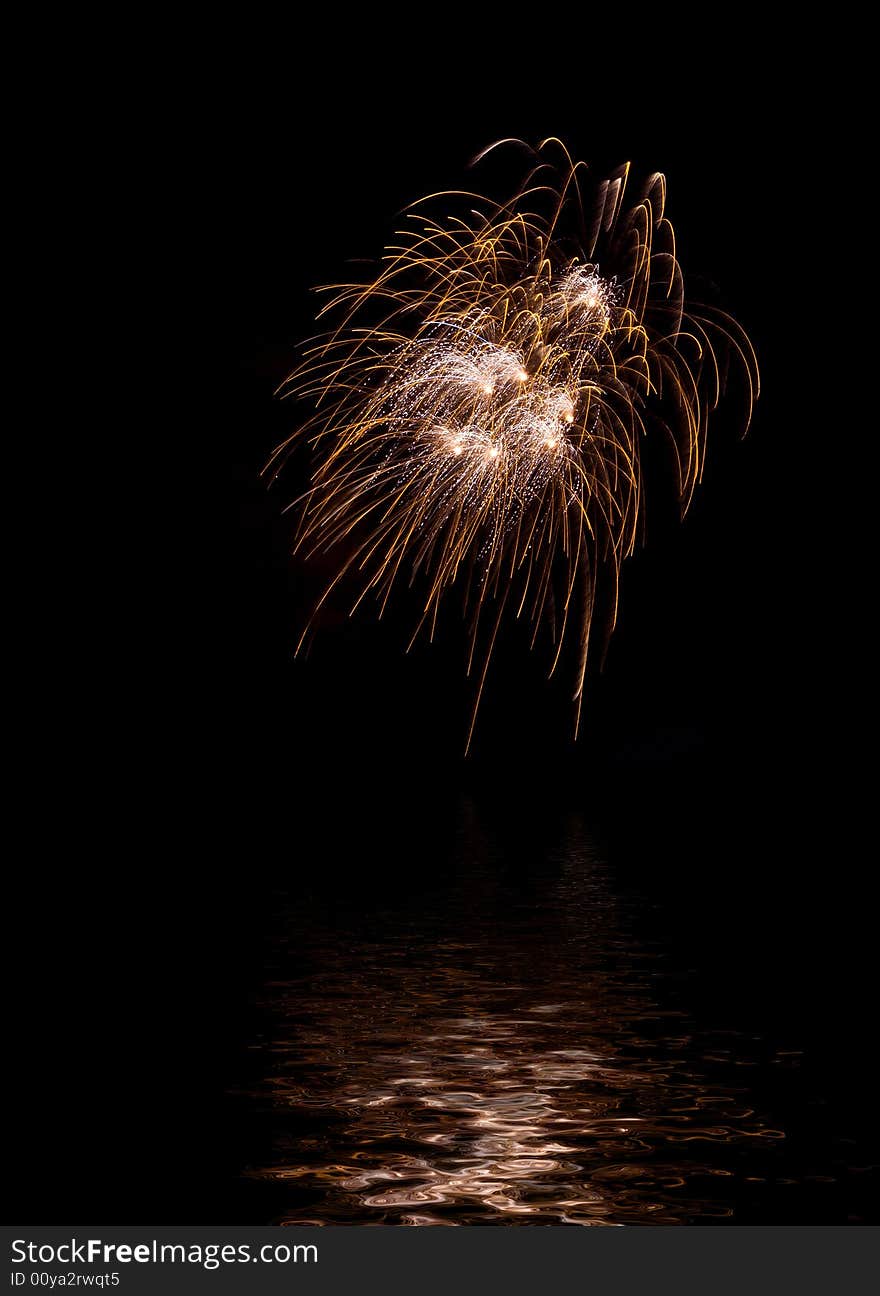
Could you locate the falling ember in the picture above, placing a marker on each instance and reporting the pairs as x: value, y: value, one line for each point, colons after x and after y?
x: 567, y: 307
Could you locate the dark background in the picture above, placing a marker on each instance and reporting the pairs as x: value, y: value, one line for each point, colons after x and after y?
x: 192, y: 763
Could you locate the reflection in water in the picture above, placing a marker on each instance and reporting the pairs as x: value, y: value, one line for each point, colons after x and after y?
x: 506, y: 1052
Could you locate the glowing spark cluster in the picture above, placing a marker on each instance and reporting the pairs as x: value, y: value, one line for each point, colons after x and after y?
x: 479, y: 410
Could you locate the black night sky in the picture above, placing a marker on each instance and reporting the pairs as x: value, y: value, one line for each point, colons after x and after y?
x: 714, y: 766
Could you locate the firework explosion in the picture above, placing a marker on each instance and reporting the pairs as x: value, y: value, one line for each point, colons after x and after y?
x: 479, y: 412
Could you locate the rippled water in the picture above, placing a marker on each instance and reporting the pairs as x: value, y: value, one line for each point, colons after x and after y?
x: 505, y: 1048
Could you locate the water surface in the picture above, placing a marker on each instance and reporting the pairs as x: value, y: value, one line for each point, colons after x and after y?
x: 507, y: 1044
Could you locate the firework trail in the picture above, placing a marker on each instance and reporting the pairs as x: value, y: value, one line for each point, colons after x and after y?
x: 477, y: 415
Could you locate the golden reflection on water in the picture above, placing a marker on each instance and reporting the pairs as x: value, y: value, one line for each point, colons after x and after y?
x: 502, y: 1056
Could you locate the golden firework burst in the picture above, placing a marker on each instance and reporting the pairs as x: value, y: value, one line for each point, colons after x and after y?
x: 479, y: 410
